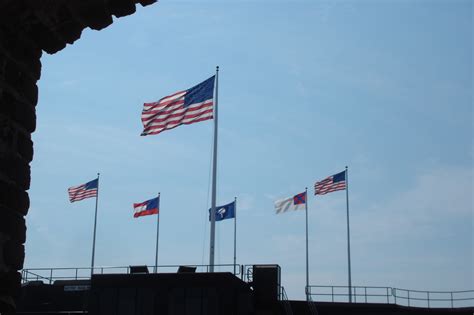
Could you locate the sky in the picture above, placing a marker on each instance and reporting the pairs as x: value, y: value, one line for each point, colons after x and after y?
x: 305, y: 88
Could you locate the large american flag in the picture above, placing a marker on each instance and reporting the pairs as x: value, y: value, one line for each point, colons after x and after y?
x: 87, y: 190
x: 181, y: 108
x: 332, y: 183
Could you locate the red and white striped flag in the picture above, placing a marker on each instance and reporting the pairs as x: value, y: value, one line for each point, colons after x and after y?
x: 181, y: 108
x: 332, y: 183
x: 87, y: 190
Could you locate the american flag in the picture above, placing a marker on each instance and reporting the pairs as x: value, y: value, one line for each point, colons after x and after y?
x: 87, y: 190
x: 181, y: 108
x: 332, y: 183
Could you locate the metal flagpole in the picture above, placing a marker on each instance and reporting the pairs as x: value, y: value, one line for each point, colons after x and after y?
x: 157, y: 234
x: 348, y: 237
x: 95, y: 224
x: 307, y: 255
x: 214, y: 177
x: 235, y: 233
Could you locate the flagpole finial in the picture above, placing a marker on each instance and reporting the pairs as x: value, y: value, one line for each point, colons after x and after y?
x: 346, y: 167
x: 217, y: 68
x: 98, y: 174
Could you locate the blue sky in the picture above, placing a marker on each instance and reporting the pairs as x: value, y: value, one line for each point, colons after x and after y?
x: 305, y: 88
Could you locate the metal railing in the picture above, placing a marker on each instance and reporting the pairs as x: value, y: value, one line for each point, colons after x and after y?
x: 433, y: 298
x: 311, y: 305
x: 53, y: 312
x: 49, y: 275
x: 284, y: 298
x: 389, y: 295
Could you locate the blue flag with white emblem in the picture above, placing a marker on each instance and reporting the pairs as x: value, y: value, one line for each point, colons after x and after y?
x: 224, y: 212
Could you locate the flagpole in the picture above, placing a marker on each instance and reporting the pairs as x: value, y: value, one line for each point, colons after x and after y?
x: 307, y: 255
x: 348, y: 237
x: 214, y: 177
x: 95, y: 224
x: 235, y: 233
x: 157, y: 234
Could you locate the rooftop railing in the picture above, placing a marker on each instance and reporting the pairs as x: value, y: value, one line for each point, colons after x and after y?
x: 389, y: 295
x: 317, y: 293
x: 49, y: 275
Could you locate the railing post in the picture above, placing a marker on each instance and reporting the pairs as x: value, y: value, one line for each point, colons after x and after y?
x: 394, y: 293
x: 76, y: 274
x: 388, y: 300
x: 332, y: 293
x: 428, y: 295
x: 51, y: 276
x: 408, y: 297
x: 452, y: 302
x: 365, y: 291
x: 355, y: 294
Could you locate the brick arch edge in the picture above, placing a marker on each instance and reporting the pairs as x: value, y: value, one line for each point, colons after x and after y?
x: 27, y: 28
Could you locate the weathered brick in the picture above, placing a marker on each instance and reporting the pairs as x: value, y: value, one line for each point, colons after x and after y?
x: 91, y: 13
x: 12, y: 224
x: 19, y: 111
x: 14, y: 254
x: 16, y: 169
x: 67, y: 26
x: 30, y: 91
x: 17, y: 79
x: 121, y: 7
x: 10, y: 283
x: 14, y: 198
x: 26, y: 29
x: 146, y: 2
x: 18, y: 47
x: 44, y: 38
x: 25, y: 146
x: 7, y: 133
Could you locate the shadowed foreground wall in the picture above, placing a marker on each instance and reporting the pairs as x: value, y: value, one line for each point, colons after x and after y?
x: 27, y: 28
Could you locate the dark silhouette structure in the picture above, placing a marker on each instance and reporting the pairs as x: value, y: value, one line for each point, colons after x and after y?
x: 27, y: 28
x: 190, y: 293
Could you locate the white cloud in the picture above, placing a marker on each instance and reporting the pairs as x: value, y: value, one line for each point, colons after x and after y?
x: 438, y: 196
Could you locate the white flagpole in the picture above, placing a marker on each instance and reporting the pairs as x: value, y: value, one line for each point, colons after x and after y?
x: 348, y: 237
x: 95, y: 224
x: 157, y: 234
x: 214, y: 178
x: 307, y: 255
x: 235, y: 233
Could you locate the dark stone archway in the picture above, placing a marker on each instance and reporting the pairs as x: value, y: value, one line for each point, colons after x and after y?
x: 27, y: 28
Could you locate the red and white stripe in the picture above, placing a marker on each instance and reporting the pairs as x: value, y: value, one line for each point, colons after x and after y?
x: 78, y: 193
x: 169, y: 112
x: 141, y: 210
x: 327, y: 185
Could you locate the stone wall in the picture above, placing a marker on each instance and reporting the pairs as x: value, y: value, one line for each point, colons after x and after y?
x: 27, y: 28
